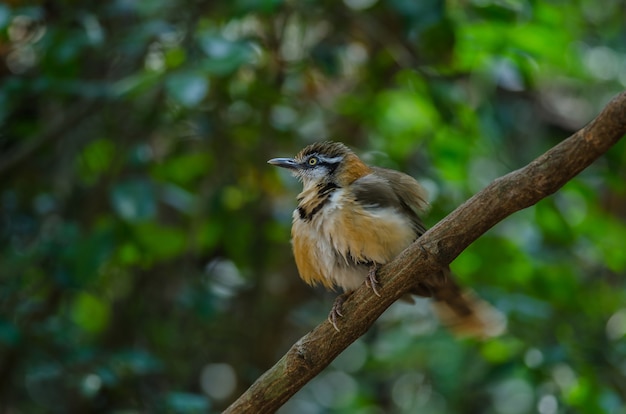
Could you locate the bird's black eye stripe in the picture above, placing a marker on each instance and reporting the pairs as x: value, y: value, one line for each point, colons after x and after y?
x: 315, y: 161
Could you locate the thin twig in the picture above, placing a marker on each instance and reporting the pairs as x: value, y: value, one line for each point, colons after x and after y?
x: 29, y: 145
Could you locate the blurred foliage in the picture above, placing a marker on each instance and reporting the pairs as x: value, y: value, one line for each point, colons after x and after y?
x: 145, y: 262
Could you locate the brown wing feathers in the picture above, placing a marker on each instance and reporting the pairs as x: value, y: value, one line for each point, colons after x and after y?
x: 462, y: 311
x: 388, y: 188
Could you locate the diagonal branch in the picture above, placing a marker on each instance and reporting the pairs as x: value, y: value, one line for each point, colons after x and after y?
x: 56, y: 130
x: 435, y: 249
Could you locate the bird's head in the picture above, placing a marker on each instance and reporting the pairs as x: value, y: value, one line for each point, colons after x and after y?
x: 324, y: 162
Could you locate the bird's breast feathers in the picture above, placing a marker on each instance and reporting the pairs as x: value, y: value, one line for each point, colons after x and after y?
x: 336, y: 246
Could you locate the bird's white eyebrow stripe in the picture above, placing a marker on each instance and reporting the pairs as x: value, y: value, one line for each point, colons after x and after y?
x: 333, y: 160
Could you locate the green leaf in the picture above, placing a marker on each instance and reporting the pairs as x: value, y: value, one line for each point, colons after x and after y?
x: 208, y: 234
x: 223, y: 56
x: 84, y: 255
x: 185, y: 168
x: 135, y: 362
x: 184, y: 402
x: 5, y: 15
x: 134, y: 200
x: 436, y: 42
x: 187, y: 88
x: 159, y: 242
x: 136, y: 84
x: 257, y: 6
x: 175, y: 57
x: 129, y: 254
x: 500, y: 350
x: 505, y: 12
x: 402, y: 117
x: 90, y: 313
x: 96, y: 158
x: 552, y: 223
x: 9, y: 333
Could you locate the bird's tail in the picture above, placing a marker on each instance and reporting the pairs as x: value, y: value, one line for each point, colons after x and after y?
x: 464, y: 313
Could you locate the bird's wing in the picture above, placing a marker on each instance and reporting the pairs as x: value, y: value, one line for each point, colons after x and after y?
x: 387, y: 188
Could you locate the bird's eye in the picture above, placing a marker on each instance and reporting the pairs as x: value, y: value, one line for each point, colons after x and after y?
x: 312, y: 160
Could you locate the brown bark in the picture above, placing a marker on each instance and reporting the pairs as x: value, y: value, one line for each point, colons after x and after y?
x: 435, y: 249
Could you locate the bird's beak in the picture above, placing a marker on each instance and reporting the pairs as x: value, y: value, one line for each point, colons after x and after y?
x: 289, y: 163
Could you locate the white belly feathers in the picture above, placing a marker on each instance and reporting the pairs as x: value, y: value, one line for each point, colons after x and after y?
x: 343, y: 245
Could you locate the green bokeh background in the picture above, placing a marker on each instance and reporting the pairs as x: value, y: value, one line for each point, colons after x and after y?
x: 145, y: 263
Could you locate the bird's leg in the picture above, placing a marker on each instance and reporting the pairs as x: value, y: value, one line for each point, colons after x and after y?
x: 371, y: 280
x: 335, y: 311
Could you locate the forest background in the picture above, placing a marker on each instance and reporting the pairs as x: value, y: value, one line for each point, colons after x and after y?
x: 145, y: 263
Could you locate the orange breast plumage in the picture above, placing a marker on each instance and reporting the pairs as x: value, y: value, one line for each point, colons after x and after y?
x: 336, y: 246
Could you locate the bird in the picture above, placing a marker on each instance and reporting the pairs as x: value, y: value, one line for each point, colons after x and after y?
x: 352, y: 218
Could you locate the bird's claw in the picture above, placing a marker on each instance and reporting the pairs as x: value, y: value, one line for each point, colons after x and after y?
x: 335, y: 311
x: 371, y: 280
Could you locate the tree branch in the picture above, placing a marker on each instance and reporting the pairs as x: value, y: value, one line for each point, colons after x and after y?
x: 435, y: 249
x: 71, y: 118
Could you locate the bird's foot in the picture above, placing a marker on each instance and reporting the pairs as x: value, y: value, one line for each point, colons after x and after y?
x: 335, y: 311
x: 371, y: 280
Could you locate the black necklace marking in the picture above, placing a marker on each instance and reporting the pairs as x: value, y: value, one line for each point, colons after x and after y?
x: 323, y: 195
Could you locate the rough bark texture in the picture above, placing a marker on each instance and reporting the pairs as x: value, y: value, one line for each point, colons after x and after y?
x: 435, y: 249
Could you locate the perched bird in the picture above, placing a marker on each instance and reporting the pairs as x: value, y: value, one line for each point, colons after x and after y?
x: 352, y: 217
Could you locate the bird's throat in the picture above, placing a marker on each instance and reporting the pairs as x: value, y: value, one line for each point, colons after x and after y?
x: 313, y: 199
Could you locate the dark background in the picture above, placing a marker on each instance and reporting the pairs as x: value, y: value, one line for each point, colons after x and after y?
x: 145, y: 263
